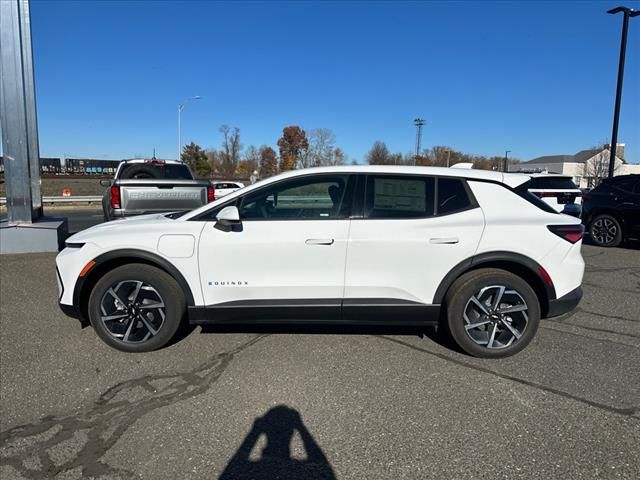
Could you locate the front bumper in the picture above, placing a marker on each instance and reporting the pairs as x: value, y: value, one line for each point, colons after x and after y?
x: 564, y: 304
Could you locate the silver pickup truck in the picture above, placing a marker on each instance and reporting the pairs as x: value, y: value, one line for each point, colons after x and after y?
x: 153, y: 186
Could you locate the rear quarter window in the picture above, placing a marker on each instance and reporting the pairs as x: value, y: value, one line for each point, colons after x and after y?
x: 523, y: 191
x: 453, y: 196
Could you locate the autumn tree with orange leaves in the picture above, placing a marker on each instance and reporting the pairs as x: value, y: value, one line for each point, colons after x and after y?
x: 293, y: 145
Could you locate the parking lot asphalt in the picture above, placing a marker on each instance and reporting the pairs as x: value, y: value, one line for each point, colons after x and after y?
x: 352, y: 404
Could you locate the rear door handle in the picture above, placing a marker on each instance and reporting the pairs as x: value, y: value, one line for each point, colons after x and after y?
x: 444, y: 240
x: 319, y: 241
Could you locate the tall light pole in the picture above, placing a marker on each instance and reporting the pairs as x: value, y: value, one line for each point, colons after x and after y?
x: 180, y: 108
x: 418, y: 122
x: 628, y: 12
x: 506, y: 160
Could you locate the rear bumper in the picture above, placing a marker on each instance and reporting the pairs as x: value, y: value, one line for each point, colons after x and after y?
x: 564, y: 304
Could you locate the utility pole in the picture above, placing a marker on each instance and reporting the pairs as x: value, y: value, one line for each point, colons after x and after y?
x: 418, y: 122
x: 628, y: 12
x: 506, y: 160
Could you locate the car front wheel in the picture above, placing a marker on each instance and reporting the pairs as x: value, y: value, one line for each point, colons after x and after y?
x: 136, y: 308
x: 492, y: 313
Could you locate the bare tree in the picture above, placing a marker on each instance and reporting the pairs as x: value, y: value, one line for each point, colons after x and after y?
x: 321, y: 148
x: 379, y: 154
x: 596, y: 168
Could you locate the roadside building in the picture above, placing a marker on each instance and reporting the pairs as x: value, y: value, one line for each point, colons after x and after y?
x: 587, y: 167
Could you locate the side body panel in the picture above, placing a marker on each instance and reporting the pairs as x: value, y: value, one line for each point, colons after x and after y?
x: 513, y: 224
x: 406, y: 259
x: 274, y: 259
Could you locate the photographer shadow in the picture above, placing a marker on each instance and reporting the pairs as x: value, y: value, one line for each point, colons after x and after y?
x: 278, y: 427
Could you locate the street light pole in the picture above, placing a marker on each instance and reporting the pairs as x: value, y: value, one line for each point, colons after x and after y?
x: 180, y: 108
x: 506, y: 160
x: 628, y: 12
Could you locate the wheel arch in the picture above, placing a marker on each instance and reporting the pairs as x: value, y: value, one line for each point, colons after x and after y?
x: 116, y: 258
x: 522, y: 266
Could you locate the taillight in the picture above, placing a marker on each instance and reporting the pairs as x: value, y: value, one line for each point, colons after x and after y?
x: 115, y: 196
x: 547, y: 194
x: 571, y: 233
x: 211, y: 194
x: 586, y: 196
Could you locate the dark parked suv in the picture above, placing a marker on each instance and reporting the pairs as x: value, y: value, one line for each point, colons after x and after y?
x: 611, y: 211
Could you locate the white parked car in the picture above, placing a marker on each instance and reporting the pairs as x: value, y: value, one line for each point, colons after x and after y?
x: 559, y: 191
x: 362, y: 245
x: 222, y: 188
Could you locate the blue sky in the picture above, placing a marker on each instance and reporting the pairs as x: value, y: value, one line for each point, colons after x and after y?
x: 536, y: 78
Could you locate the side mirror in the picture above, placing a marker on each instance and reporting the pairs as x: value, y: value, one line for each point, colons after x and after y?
x: 227, y: 218
x: 105, y: 183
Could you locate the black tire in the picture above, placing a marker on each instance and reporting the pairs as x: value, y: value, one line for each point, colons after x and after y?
x: 140, y: 171
x: 156, y: 286
x: 605, y: 231
x: 525, y: 322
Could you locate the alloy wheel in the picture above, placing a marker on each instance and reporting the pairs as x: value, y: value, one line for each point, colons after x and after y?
x: 604, y: 231
x: 496, y: 317
x: 132, y: 311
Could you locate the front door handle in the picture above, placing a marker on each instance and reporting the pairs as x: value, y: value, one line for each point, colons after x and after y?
x: 444, y: 240
x: 319, y: 241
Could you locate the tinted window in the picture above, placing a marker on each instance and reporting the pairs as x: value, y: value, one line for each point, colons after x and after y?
x: 178, y: 172
x: 317, y: 197
x: 390, y: 196
x: 624, y: 184
x: 553, y: 183
x: 452, y: 196
x: 226, y: 185
x: 150, y: 170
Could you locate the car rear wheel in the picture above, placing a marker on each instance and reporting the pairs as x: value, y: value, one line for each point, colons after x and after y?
x: 136, y: 308
x: 605, y: 231
x: 492, y: 313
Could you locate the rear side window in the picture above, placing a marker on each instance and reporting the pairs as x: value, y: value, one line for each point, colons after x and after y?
x: 226, y: 185
x: 397, y: 196
x: 624, y: 184
x: 452, y: 196
x: 552, y: 183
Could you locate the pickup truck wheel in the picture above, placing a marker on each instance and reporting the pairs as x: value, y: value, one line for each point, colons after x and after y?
x: 136, y: 308
x: 492, y: 313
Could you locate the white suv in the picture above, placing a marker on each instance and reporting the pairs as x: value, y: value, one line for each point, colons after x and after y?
x: 472, y: 250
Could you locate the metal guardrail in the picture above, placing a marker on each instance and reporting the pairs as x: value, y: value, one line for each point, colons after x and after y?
x: 65, y: 200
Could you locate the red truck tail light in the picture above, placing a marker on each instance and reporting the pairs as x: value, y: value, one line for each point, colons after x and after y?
x: 570, y: 233
x: 211, y: 194
x: 115, y: 196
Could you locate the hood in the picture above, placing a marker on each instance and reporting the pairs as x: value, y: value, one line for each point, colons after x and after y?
x: 130, y: 223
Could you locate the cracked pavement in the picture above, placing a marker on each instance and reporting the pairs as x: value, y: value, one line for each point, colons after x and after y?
x: 318, y: 402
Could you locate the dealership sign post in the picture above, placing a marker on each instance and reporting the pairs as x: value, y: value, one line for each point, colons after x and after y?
x: 25, y: 229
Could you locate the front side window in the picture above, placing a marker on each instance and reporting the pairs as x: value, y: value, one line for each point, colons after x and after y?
x: 397, y: 196
x: 318, y: 197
